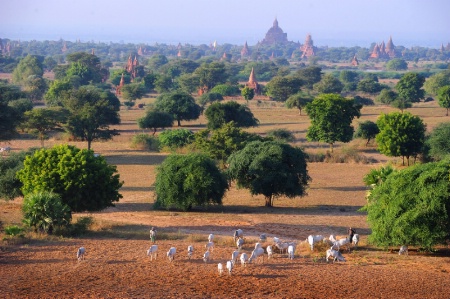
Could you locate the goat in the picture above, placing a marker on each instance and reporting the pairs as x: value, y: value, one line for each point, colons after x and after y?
x: 244, y: 259
x: 209, y: 246
x: 190, y: 251
x: 234, y: 256
x: 282, y: 246
x: 256, y: 253
x: 355, y: 240
x: 403, y: 250
x: 269, y: 251
x: 291, y: 251
x: 314, y: 239
x: 80, y: 253
x: 220, y: 268
x: 151, y: 252
x: 210, y: 237
x: 335, y: 254
x: 239, y: 243
x: 206, y: 256
x: 341, y: 242
x: 229, y: 267
x: 238, y: 234
x: 171, y: 253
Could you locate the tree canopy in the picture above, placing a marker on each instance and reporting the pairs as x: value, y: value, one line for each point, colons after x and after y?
x: 331, y: 119
x: 281, y: 88
x: 219, y: 114
x: 397, y: 64
x: 10, y: 116
x: 438, y: 141
x: 298, y: 100
x: 310, y: 76
x: 444, y: 97
x: 155, y: 119
x: 401, y: 135
x: 270, y: 168
x: 411, y: 207
x: 180, y: 104
x: 329, y: 84
x: 367, y: 130
x: 409, y: 87
x: 187, y: 181
x: 28, y: 66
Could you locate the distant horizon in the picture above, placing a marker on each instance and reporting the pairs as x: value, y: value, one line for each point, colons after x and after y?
x: 345, y: 23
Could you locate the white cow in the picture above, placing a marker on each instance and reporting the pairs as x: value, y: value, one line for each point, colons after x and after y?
x: 6, y: 149
x: 256, y: 254
x: 240, y: 243
x: 80, y: 253
x: 291, y: 251
x: 341, y: 242
x: 210, y: 237
x: 335, y: 254
x: 171, y: 253
x: 229, y: 267
x: 209, y: 246
x: 238, y: 234
x: 234, y: 256
x: 206, y: 256
x: 269, y: 250
x: 190, y: 251
x: 244, y: 259
x: 151, y: 252
x: 220, y: 268
x: 314, y: 239
x: 355, y: 240
x: 403, y: 250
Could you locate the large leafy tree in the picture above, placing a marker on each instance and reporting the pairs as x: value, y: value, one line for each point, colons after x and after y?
x: 387, y: 96
x: 299, y: 101
x: 55, y: 92
x: 331, y: 119
x: 84, y: 182
x: 310, y: 76
x: 444, y: 97
x: 409, y: 87
x: 219, y: 114
x: 248, y: 93
x: 281, y: 88
x: 401, y: 135
x: 155, y: 119
x: 211, y: 74
x: 367, y: 130
x: 369, y: 86
x: 28, y: 66
x: 133, y: 91
x: 10, y: 113
x: 180, y: 104
x: 397, y: 64
x: 411, y: 207
x: 438, y: 141
x: 329, y: 84
x: 87, y: 67
x: 90, y: 113
x: 186, y: 181
x: 270, y: 168
x: 436, y: 81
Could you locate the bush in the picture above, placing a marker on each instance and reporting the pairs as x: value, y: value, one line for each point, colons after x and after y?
x: 226, y: 90
x: 281, y: 135
x: 14, y: 230
x: 44, y: 211
x: 175, y: 138
x: 145, y: 142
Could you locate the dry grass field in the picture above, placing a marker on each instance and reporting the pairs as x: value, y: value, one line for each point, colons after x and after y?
x: 116, y: 265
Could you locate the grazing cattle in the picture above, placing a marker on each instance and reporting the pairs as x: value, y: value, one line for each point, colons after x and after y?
x: 238, y: 234
x: 256, y: 254
x: 151, y: 252
x: 314, y: 239
x: 80, y: 253
x: 209, y: 246
x: 240, y: 243
x: 171, y: 253
x: 341, y: 242
x: 234, y: 256
x: 220, y: 268
x: 244, y: 259
x: 229, y: 267
x: 403, y: 250
x: 291, y: 251
x: 335, y: 254
x: 282, y: 246
x: 355, y: 240
x: 263, y: 238
x: 269, y: 250
x: 190, y: 251
x: 210, y: 237
x: 206, y: 256
x: 5, y: 149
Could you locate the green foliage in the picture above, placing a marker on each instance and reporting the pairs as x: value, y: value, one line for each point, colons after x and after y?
x: 186, y: 181
x: 283, y: 135
x: 270, y: 168
x: 44, y: 211
x: 86, y: 67
x: 211, y: 74
x: 329, y: 84
x: 133, y: 91
x: 248, y: 93
x: 376, y: 177
x: 387, y: 96
x: 84, y: 182
x: 9, y: 166
x: 157, y: 61
x: 310, y: 76
x: 35, y: 87
x: 401, y: 104
x: 145, y: 142
x: 411, y: 207
x: 188, y: 82
x: 361, y: 101
x: 348, y: 76
x: 439, y: 142
x: 181, y: 105
x: 219, y: 114
x: 210, y: 97
x: 401, y: 134
x: 436, y: 81
x: 368, y: 86
x: 226, y: 90
x: 14, y: 231
x: 10, y: 116
x: 298, y: 100
x: 175, y: 138
x: 367, y: 130
x: 331, y: 119
x: 397, y: 64
x: 409, y: 87
x: 55, y: 92
x: 155, y: 119
x: 281, y: 88
x: 444, y: 97
x: 30, y: 65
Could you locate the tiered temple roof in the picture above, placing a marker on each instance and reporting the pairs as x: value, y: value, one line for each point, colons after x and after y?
x: 245, y: 51
x: 252, y: 83
x: 275, y: 35
x: 384, y: 51
x: 308, y: 48
x: 131, y: 66
x: 355, y: 61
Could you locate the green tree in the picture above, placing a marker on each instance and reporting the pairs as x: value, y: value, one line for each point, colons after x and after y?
x: 186, y: 181
x: 35, y: 87
x: 369, y: 86
x: 49, y: 63
x: 439, y: 142
x: 175, y: 138
x: 298, y: 100
x: 219, y: 114
x: 248, y: 93
x: 348, y: 76
x: 45, y: 211
x: 10, y: 116
x: 180, y: 104
x: 409, y: 87
x: 155, y: 119
x: 281, y: 88
x: 189, y: 82
x: 157, y: 61
x: 310, y: 76
x: 55, y: 92
x: 208, y: 98
x: 376, y: 177
x: 397, y: 64
x: 367, y: 130
x: 401, y: 103
x: 331, y: 119
x: 411, y: 207
x: 28, y: 66
x: 42, y: 121
x: 387, y: 96
x: 270, y: 168
x: 436, y: 81
x: 90, y: 113
x: 444, y: 97
x: 329, y: 84
x: 85, y: 66
x: 211, y: 74
x: 282, y: 135
x: 132, y: 92
x: 401, y: 134
x: 163, y: 83
x: 84, y: 182
x: 226, y: 90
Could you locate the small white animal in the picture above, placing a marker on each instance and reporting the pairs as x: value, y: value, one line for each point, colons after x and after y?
x: 239, y: 233
x: 190, y: 251
x: 234, y: 256
x: 256, y: 254
x: 206, y: 256
x: 209, y: 246
x: 6, y: 149
x: 355, y: 240
x: 240, y: 243
x: 244, y: 259
x: 151, y: 252
x: 80, y: 253
x: 314, y: 239
x: 269, y: 250
x: 220, y: 268
x: 336, y: 255
x: 291, y: 252
x: 171, y: 253
x: 341, y: 242
x: 282, y: 246
x: 403, y: 250
x: 258, y: 245
x: 229, y: 267
x: 210, y: 237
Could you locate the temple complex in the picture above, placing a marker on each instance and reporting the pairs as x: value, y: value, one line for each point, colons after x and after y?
x: 119, y: 87
x: 131, y: 67
x: 384, y: 51
x: 275, y: 35
x: 252, y: 83
x: 245, y: 51
x: 308, y: 48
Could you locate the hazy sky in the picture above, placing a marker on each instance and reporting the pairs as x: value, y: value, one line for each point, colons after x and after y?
x: 330, y: 22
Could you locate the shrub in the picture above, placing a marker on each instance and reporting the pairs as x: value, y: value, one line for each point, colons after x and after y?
x: 281, y: 135
x: 175, y: 138
x: 145, y: 142
x: 14, y: 230
x: 226, y: 90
